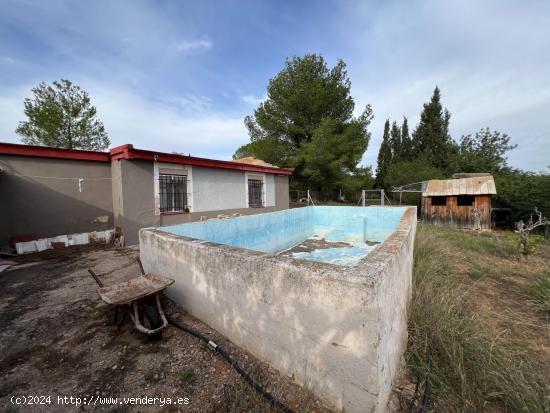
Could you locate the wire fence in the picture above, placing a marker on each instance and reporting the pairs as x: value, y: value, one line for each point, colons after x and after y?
x: 366, y: 197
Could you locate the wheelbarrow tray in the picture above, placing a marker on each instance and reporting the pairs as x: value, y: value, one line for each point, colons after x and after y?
x: 129, y: 291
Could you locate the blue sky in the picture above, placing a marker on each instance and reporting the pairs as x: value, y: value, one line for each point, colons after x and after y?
x: 181, y: 76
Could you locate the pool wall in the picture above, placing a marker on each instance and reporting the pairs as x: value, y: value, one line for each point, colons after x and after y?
x: 340, y: 331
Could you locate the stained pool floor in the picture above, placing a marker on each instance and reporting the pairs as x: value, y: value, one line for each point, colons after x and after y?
x: 319, y: 249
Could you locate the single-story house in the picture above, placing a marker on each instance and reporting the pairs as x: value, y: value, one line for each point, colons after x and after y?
x: 46, y: 192
x: 462, y: 202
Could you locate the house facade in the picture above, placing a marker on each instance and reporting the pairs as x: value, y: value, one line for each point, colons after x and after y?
x: 47, y: 192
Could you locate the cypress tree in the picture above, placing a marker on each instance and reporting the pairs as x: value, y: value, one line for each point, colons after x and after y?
x: 395, y: 141
x: 384, y: 157
x: 406, y: 143
x: 431, y: 138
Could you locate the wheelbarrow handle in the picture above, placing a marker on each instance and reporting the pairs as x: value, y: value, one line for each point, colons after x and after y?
x: 140, y: 266
x: 96, y: 278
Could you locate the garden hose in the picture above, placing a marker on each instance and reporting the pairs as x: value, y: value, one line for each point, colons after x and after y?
x: 268, y: 396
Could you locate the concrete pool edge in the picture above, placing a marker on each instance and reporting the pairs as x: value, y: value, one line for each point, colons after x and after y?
x: 341, y: 331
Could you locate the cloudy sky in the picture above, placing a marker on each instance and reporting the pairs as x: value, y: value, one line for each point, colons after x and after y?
x: 181, y: 76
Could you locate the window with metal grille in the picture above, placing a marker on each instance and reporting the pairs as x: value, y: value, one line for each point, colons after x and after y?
x: 255, y: 193
x: 173, y: 193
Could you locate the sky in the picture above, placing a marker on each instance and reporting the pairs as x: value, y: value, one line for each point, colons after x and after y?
x: 182, y: 75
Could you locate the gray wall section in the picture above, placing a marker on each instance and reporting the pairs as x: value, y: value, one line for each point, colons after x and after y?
x: 40, y: 205
x: 133, y: 197
x: 216, y: 189
x: 122, y: 191
x: 281, y: 192
x: 269, y: 190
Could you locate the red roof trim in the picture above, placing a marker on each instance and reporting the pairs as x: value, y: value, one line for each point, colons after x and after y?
x: 47, y: 152
x: 129, y: 152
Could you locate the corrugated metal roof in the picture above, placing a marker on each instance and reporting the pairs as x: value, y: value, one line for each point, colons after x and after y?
x: 480, y: 185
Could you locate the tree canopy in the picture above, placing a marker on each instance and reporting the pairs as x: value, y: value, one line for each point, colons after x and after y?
x: 62, y: 116
x: 307, y: 123
x: 431, y: 138
x: 431, y: 153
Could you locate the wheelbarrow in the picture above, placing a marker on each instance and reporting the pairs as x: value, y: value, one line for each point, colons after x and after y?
x: 139, y: 298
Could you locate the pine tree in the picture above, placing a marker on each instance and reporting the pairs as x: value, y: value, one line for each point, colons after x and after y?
x: 384, y: 157
x: 307, y: 123
x: 431, y: 138
x: 62, y: 116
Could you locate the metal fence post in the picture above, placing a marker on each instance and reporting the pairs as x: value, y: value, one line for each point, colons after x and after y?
x: 382, y: 197
x: 363, y: 197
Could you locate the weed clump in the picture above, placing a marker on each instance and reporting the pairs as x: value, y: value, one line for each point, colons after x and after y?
x: 539, y: 292
x: 186, y: 376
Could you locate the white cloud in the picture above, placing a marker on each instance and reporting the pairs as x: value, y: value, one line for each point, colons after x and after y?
x: 486, y: 59
x: 147, y: 124
x: 253, y: 100
x: 11, y: 113
x: 194, y: 45
x: 7, y: 59
x: 188, y: 102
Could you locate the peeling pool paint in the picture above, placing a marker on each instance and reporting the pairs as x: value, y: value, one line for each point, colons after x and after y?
x: 276, y: 232
x: 341, y: 256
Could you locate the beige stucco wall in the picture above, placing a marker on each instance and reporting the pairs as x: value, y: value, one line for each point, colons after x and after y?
x: 340, y: 331
x: 41, y: 196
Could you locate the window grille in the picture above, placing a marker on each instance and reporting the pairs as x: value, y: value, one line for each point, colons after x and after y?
x: 255, y: 193
x: 173, y: 193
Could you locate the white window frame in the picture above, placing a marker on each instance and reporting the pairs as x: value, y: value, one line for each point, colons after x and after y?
x: 178, y: 167
x: 255, y: 175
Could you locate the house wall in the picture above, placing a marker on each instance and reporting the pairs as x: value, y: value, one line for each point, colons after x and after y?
x: 217, y: 189
x: 134, y: 197
x: 281, y: 192
x: 47, y: 200
x: 277, y: 197
x: 41, y: 196
x: 458, y: 216
x: 213, y: 192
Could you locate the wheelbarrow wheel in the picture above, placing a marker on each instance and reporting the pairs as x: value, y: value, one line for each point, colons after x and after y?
x: 152, y: 316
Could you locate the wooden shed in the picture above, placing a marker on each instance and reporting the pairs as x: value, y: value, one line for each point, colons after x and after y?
x: 462, y: 202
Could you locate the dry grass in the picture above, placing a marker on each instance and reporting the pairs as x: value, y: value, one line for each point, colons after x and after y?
x: 488, y: 344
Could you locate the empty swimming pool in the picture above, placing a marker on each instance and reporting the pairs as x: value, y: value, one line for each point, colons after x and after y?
x: 268, y: 282
x: 331, y: 234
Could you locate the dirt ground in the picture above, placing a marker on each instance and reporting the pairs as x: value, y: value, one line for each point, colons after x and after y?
x: 57, y: 339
